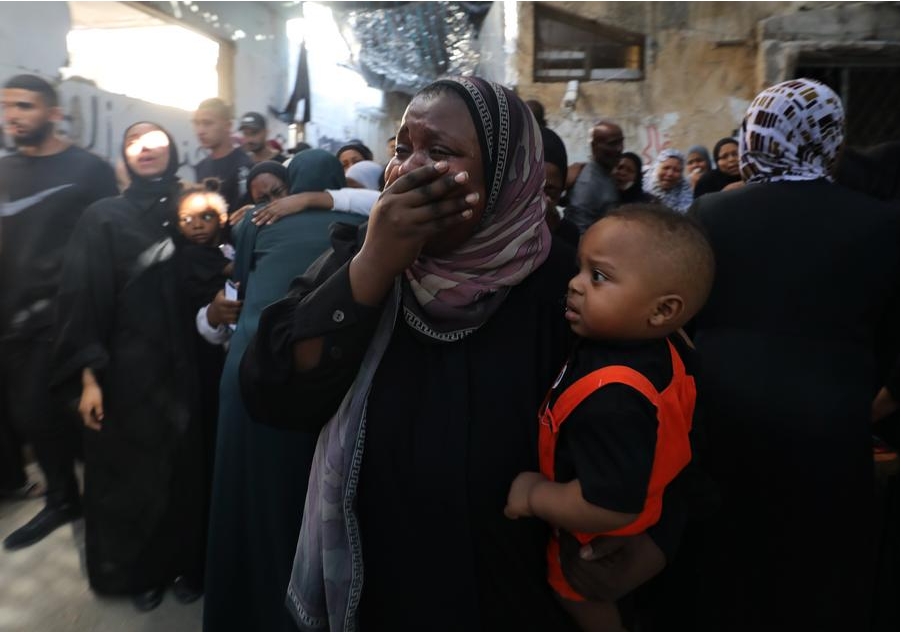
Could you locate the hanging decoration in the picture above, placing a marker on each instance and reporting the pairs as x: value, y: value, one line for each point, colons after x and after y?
x: 404, y: 46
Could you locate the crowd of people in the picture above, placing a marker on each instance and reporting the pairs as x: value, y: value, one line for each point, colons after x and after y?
x: 477, y: 388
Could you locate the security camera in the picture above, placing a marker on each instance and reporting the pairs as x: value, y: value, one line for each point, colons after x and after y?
x: 571, y: 95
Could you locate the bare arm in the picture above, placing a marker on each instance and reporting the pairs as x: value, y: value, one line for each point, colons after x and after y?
x: 90, y: 407
x: 561, y: 504
x: 291, y: 204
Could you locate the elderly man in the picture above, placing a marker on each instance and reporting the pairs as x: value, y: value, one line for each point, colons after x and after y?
x: 594, y: 190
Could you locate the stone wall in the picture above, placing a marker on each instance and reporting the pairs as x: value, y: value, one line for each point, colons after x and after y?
x: 703, y: 65
x: 96, y: 119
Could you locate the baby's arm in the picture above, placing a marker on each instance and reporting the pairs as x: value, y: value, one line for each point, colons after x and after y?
x: 560, y: 504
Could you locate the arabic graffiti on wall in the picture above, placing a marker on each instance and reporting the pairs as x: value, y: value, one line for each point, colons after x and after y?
x: 97, y: 120
x: 653, y: 136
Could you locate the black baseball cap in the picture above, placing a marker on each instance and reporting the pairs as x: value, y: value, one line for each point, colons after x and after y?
x: 253, y: 120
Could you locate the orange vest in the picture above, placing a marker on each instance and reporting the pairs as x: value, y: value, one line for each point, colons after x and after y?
x: 675, y: 407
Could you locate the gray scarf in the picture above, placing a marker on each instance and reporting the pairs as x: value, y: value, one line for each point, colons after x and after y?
x: 327, y: 580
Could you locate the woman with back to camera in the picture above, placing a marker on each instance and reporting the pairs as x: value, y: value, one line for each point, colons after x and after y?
x: 797, y: 337
x: 126, y: 342
x: 440, y: 326
x: 261, y: 472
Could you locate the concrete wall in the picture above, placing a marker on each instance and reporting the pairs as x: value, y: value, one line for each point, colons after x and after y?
x: 20, y: 48
x: 846, y: 31
x: 97, y: 119
x: 702, y: 66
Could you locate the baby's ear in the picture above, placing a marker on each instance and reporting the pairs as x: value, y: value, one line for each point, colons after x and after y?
x: 668, y: 309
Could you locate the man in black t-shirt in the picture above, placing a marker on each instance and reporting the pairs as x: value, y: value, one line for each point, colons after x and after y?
x: 229, y: 164
x: 44, y: 188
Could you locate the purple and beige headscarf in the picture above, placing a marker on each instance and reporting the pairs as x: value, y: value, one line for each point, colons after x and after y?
x: 450, y: 296
x: 680, y: 196
x: 791, y: 131
x: 443, y: 299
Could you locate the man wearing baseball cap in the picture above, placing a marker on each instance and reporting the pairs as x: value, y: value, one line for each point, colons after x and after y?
x: 253, y: 139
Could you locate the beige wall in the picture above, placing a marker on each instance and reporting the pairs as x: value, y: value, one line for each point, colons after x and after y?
x: 700, y: 73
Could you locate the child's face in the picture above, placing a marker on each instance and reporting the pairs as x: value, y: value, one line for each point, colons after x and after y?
x: 198, y: 218
x: 615, y: 292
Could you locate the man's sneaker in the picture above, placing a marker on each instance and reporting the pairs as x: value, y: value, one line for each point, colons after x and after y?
x: 148, y: 600
x: 48, y: 519
x: 185, y: 590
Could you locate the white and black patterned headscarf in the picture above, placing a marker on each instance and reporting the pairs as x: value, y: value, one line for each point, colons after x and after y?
x: 791, y: 131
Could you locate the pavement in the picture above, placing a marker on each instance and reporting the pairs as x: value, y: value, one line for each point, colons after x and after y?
x: 44, y: 587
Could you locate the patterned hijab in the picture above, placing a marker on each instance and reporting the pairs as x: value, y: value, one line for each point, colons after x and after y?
x: 791, y: 131
x: 680, y: 196
x: 448, y: 297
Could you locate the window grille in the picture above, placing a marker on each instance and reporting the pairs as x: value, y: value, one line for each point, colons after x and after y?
x: 869, y: 94
x: 569, y: 47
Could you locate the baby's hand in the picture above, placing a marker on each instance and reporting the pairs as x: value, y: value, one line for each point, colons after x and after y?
x: 518, y: 497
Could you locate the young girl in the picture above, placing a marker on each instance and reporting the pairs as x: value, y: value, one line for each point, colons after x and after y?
x: 203, y: 270
x: 205, y: 264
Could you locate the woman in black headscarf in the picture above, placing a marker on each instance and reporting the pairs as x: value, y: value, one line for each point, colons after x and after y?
x: 125, y: 340
x: 628, y: 176
x: 725, y: 156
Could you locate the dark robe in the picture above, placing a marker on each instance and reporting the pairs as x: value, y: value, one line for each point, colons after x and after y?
x: 714, y: 181
x: 449, y: 427
x: 201, y: 270
x: 795, y: 340
x: 123, y: 315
